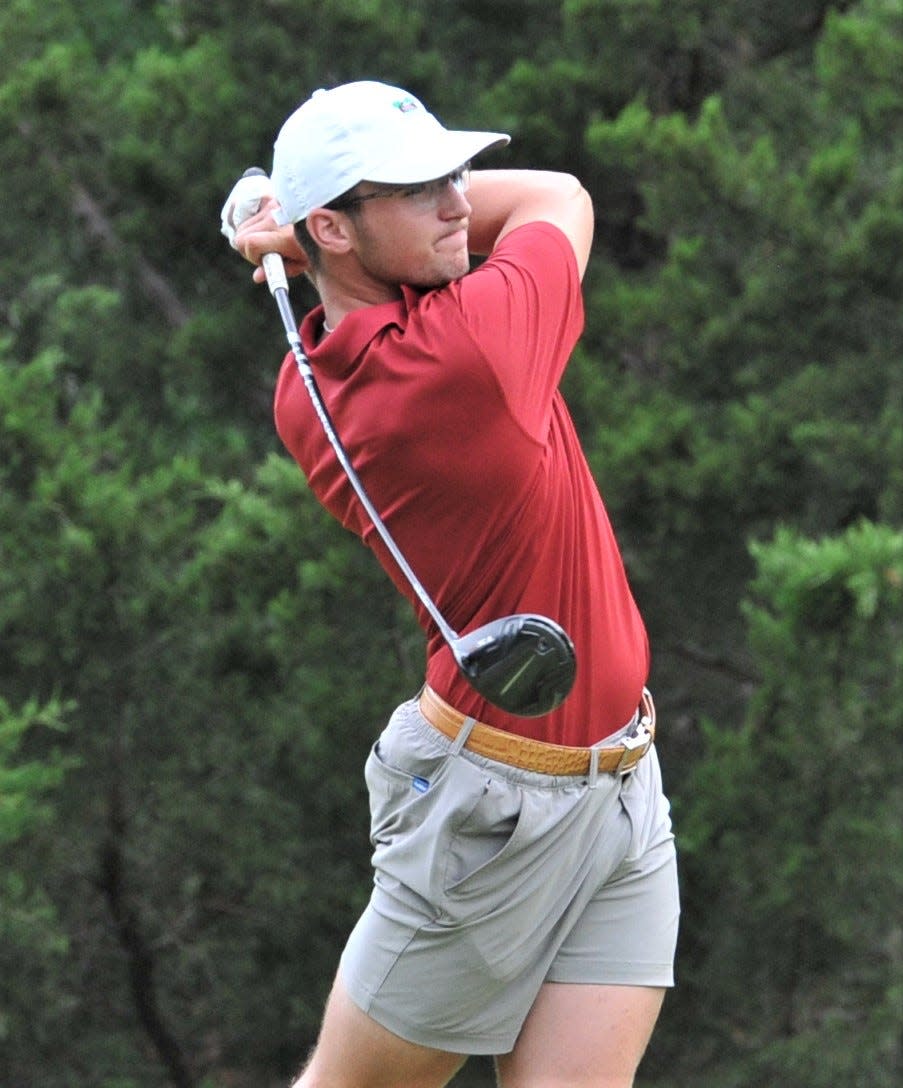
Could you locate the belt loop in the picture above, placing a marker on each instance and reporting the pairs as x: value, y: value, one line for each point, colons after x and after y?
x: 462, y: 737
x: 593, y: 777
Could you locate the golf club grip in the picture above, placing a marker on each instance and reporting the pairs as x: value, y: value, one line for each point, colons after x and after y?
x: 273, y: 265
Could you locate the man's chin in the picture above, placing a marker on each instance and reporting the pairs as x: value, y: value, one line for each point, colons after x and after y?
x: 452, y: 270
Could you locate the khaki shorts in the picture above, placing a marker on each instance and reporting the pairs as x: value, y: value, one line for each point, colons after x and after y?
x: 490, y: 881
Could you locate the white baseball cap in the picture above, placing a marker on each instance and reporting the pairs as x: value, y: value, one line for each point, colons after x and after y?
x: 364, y: 131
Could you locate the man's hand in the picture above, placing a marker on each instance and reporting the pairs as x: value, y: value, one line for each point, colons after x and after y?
x: 248, y: 223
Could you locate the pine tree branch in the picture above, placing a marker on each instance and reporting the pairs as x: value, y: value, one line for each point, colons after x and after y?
x: 139, y: 958
x: 101, y: 227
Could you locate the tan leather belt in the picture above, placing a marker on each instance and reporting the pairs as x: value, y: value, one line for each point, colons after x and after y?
x: 536, y: 755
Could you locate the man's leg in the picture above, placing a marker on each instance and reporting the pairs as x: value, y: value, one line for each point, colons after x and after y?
x: 582, y: 1036
x: 353, y: 1051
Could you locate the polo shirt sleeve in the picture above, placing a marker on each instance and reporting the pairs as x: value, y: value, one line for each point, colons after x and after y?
x: 524, y: 308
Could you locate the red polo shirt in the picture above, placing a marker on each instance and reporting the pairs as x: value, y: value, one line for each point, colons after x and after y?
x: 448, y: 405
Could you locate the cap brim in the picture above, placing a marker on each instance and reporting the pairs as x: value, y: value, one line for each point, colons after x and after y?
x: 433, y: 158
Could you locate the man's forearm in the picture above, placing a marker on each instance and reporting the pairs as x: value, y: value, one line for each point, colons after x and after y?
x: 505, y: 199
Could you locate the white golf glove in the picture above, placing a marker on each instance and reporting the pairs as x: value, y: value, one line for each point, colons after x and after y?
x: 242, y: 202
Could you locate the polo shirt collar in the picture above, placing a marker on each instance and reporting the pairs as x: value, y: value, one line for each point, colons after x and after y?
x: 337, y: 353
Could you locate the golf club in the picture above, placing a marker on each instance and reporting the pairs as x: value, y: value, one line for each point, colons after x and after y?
x: 524, y: 663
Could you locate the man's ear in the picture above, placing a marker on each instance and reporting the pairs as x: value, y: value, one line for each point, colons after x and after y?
x: 331, y: 230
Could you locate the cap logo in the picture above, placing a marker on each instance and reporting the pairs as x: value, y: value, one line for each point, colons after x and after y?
x: 405, y: 105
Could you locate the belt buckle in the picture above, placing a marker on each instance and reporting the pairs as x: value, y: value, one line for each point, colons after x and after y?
x: 639, y: 742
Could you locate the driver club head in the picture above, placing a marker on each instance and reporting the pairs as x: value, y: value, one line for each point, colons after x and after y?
x: 524, y: 664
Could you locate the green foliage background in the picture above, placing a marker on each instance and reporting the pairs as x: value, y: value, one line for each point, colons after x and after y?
x: 193, y: 658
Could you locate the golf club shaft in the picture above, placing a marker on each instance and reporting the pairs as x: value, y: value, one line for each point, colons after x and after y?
x: 532, y: 687
x: 280, y: 294
x: 277, y: 281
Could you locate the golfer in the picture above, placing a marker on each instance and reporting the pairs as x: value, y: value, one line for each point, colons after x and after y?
x: 525, y: 899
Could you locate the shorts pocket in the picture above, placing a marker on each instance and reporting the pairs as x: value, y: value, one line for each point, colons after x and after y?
x: 485, y: 834
x: 647, y: 809
x: 415, y: 811
x: 400, y: 797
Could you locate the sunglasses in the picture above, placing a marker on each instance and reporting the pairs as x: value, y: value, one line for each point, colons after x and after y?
x: 422, y: 194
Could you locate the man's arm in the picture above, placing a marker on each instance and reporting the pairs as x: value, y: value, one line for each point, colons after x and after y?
x: 505, y: 199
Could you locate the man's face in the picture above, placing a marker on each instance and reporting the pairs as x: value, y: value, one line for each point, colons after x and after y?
x: 415, y: 235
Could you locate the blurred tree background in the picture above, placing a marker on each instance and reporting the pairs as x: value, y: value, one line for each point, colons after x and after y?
x: 182, y: 815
